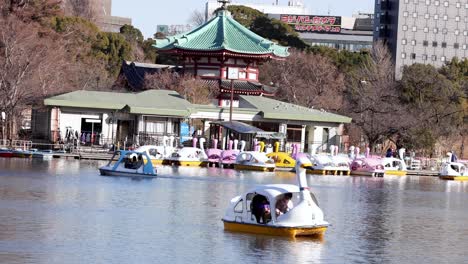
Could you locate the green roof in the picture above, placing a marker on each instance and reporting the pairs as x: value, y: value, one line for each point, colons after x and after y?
x: 222, y: 33
x: 274, y: 109
x: 170, y: 103
x: 151, y: 102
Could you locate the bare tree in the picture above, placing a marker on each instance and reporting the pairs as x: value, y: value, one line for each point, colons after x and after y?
x: 373, y: 98
x: 30, y: 66
x: 306, y: 79
x: 197, y: 18
x: 193, y: 89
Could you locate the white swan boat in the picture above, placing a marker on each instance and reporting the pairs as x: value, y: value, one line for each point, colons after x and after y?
x: 253, y: 160
x: 304, y: 218
x: 455, y: 171
x: 189, y: 156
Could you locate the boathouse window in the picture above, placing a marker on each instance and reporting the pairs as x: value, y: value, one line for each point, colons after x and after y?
x: 239, y: 208
x: 155, y: 125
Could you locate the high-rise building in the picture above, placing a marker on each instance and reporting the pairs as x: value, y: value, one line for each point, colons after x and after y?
x: 105, y: 20
x: 422, y: 31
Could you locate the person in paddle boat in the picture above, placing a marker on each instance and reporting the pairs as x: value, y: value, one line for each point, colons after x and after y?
x: 261, y: 209
x: 284, y: 204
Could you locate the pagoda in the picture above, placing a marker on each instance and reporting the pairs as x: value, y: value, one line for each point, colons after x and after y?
x: 222, y: 43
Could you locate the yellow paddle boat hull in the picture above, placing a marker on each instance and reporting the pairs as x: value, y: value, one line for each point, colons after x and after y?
x: 185, y: 163
x: 252, y: 168
x: 156, y: 162
x: 395, y: 173
x: 454, y: 178
x: 273, y: 230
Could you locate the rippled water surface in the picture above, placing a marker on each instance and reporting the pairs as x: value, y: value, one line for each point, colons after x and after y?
x: 62, y: 211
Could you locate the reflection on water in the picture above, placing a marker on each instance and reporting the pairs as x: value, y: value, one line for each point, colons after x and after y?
x: 61, y: 211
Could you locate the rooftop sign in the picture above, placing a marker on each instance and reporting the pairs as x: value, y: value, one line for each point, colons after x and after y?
x: 313, y: 24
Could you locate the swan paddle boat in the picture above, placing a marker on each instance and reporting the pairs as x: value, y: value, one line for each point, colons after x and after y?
x: 157, y: 154
x: 323, y: 164
x: 214, y: 154
x: 452, y: 170
x: 229, y: 156
x: 302, y: 218
x: 254, y: 160
x: 283, y: 161
x: 129, y: 164
x: 189, y: 156
x: 371, y: 166
x: 395, y: 166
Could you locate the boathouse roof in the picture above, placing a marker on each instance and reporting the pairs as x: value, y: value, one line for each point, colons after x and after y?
x: 151, y: 102
x: 222, y: 35
x: 170, y: 103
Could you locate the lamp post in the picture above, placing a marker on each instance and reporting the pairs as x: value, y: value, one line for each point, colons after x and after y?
x: 232, y: 74
x: 3, y: 127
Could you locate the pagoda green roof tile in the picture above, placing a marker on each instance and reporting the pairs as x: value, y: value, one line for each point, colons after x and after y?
x: 222, y: 33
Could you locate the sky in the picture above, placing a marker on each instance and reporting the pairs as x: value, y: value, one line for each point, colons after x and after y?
x: 147, y: 14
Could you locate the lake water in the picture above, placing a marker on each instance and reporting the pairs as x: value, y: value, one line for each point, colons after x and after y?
x: 62, y: 211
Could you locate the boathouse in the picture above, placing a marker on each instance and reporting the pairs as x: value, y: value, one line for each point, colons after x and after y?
x: 97, y: 118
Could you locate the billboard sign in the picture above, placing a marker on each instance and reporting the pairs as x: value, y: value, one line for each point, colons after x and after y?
x: 313, y: 24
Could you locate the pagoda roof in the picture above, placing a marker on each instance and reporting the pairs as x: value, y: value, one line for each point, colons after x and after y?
x: 222, y: 35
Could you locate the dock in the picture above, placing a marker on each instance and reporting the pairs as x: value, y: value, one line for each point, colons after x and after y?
x: 422, y: 173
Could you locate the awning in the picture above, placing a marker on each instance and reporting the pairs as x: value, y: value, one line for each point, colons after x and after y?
x: 243, y: 128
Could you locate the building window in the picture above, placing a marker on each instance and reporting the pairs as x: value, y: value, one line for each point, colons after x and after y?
x: 436, y: 3
x: 436, y: 16
x: 405, y: 27
x: 458, y: 5
x: 445, y: 17
x: 456, y: 46
x: 466, y: 6
x: 403, y: 55
x: 405, y: 14
x: 426, y: 16
x: 457, y: 18
x: 413, y: 42
x: 414, y: 28
x: 426, y: 29
x: 428, y: 2
x: 403, y: 41
x: 434, y: 44
x: 434, y: 57
x: 413, y: 56
x: 442, y: 58
x: 424, y: 57
x: 415, y: 2
x: 425, y: 43
x: 464, y: 46
x: 444, y: 31
x: 406, y: 1
x: 436, y: 30
x: 415, y: 15
x: 443, y: 45
x: 446, y: 3
x: 457, y: 32
x: 465, y: 33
